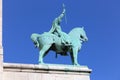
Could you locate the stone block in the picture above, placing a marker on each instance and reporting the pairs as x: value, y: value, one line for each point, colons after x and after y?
x: 34, y: 76
x: 45, y: 72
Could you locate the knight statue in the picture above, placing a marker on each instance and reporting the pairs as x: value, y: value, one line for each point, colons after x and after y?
x: 59, y: 41
x: 56, y: 29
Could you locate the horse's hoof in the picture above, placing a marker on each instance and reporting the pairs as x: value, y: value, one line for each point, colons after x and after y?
x: 41, y: 63
x: 76, y: 64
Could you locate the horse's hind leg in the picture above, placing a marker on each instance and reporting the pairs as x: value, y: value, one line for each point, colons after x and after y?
x: 43, y: 52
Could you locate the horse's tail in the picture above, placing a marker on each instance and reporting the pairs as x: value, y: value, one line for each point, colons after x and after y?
x: 34, y: 38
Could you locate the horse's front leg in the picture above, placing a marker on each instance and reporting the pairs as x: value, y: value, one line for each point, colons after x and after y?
x: 72, y: 58
x: 75, y: 54
x: 43, y: 53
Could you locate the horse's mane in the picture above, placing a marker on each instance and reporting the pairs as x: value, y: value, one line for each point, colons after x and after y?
x: 75, y: 32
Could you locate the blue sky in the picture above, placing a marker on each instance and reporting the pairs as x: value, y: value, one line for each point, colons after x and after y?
x: 101, y: 20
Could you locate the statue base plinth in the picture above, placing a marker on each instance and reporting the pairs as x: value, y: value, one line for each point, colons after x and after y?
x: 45, y: 72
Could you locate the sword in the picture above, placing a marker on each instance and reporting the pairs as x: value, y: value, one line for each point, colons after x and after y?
x: 65, y: 14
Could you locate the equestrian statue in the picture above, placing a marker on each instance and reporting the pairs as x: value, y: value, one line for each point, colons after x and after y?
x: 59, y: 41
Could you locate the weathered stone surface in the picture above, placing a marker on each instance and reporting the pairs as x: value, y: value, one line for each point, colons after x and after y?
x: 1, y: 66
x: 1, y: 27
x: 1, y: 49
x: 45, y: 72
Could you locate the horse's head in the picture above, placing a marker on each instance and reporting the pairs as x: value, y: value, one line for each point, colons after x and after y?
x: 79, y: 33
x: 83, y: 36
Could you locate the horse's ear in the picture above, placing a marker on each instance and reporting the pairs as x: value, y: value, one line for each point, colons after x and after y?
x: 82, y: 27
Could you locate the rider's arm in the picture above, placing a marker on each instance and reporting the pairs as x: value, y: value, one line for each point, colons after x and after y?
x: 57, y: 21
x: 61, y: 15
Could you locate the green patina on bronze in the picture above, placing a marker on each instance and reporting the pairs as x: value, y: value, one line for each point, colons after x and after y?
x: 59, y: 41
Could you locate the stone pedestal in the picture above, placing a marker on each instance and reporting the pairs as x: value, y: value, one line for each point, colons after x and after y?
x: 45, y: 72
x: 1, y: 49
x: 1, y: 66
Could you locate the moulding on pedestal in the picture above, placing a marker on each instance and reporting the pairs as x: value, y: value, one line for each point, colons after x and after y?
x: 45, y: 72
